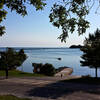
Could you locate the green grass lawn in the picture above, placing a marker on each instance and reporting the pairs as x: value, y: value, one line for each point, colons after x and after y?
x: 84, y: 80
x: 16, y: 73
x: 10, y: 97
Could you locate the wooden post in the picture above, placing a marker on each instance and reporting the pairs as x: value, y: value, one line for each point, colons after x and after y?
x: 6, y: 73
x: 96, y: 72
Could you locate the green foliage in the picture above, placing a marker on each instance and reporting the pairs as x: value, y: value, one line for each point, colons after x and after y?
x: 19, y: 6
x: 11, y: 59
x: 2, y: 16
x: 91, y: 50
x: 79, y: 1
x: 11, y: 97
x: 69, y: 15
x: 48, y: 69
x: 2, y: 30
x: 45, y: 69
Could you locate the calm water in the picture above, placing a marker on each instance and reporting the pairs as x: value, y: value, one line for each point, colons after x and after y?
x: 70, y: 58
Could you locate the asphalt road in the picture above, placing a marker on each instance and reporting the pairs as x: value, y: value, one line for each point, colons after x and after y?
x: 48, y: 88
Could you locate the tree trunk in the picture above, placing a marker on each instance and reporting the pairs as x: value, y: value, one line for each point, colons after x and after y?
x: 6, y: 73
x: 96, y: 72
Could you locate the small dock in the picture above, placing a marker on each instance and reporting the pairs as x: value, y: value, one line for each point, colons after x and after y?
x: 65, y: 72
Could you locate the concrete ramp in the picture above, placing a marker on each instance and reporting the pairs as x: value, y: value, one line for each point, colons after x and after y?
x: 64, y: 72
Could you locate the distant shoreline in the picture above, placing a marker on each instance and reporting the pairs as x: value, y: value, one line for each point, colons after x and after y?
x: 75, y: 46
x: 27, y: 48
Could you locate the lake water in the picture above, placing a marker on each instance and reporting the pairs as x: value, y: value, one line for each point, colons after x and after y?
x: 69, y: 57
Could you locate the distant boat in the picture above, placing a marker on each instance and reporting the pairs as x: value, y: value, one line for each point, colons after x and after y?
x: 59, y: 58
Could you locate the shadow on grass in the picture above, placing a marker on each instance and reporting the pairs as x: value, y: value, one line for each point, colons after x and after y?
x: 66, y: 87
x: 85, y: 80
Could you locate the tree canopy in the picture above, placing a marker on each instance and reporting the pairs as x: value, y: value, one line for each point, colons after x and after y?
x: 19, y: 6
x: 91, y: 50
x: 68, y: 15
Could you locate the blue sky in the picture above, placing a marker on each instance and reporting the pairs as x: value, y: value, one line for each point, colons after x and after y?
x: 35, y: 30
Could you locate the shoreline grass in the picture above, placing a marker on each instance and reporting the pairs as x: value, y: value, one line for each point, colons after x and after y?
x: 11, y: 97
x: 17, y: 73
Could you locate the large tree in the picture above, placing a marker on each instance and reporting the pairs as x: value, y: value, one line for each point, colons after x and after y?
x: 91, y: 51
x: 70, y: 16
x: 65, y: 14
x: 11, y: 59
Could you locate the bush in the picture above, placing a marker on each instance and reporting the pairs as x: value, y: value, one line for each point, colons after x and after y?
x: 46, y: 69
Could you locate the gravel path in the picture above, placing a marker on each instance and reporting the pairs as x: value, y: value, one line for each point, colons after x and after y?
x: 48, y: 88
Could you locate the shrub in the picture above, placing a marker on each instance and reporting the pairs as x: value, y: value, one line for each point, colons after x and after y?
x: 46, y: 69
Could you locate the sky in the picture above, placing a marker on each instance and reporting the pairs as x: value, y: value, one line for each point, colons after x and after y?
x: 35, y: 30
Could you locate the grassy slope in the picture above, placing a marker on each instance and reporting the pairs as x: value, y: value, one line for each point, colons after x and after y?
x: 10, y: 97
x: 16, y: 73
